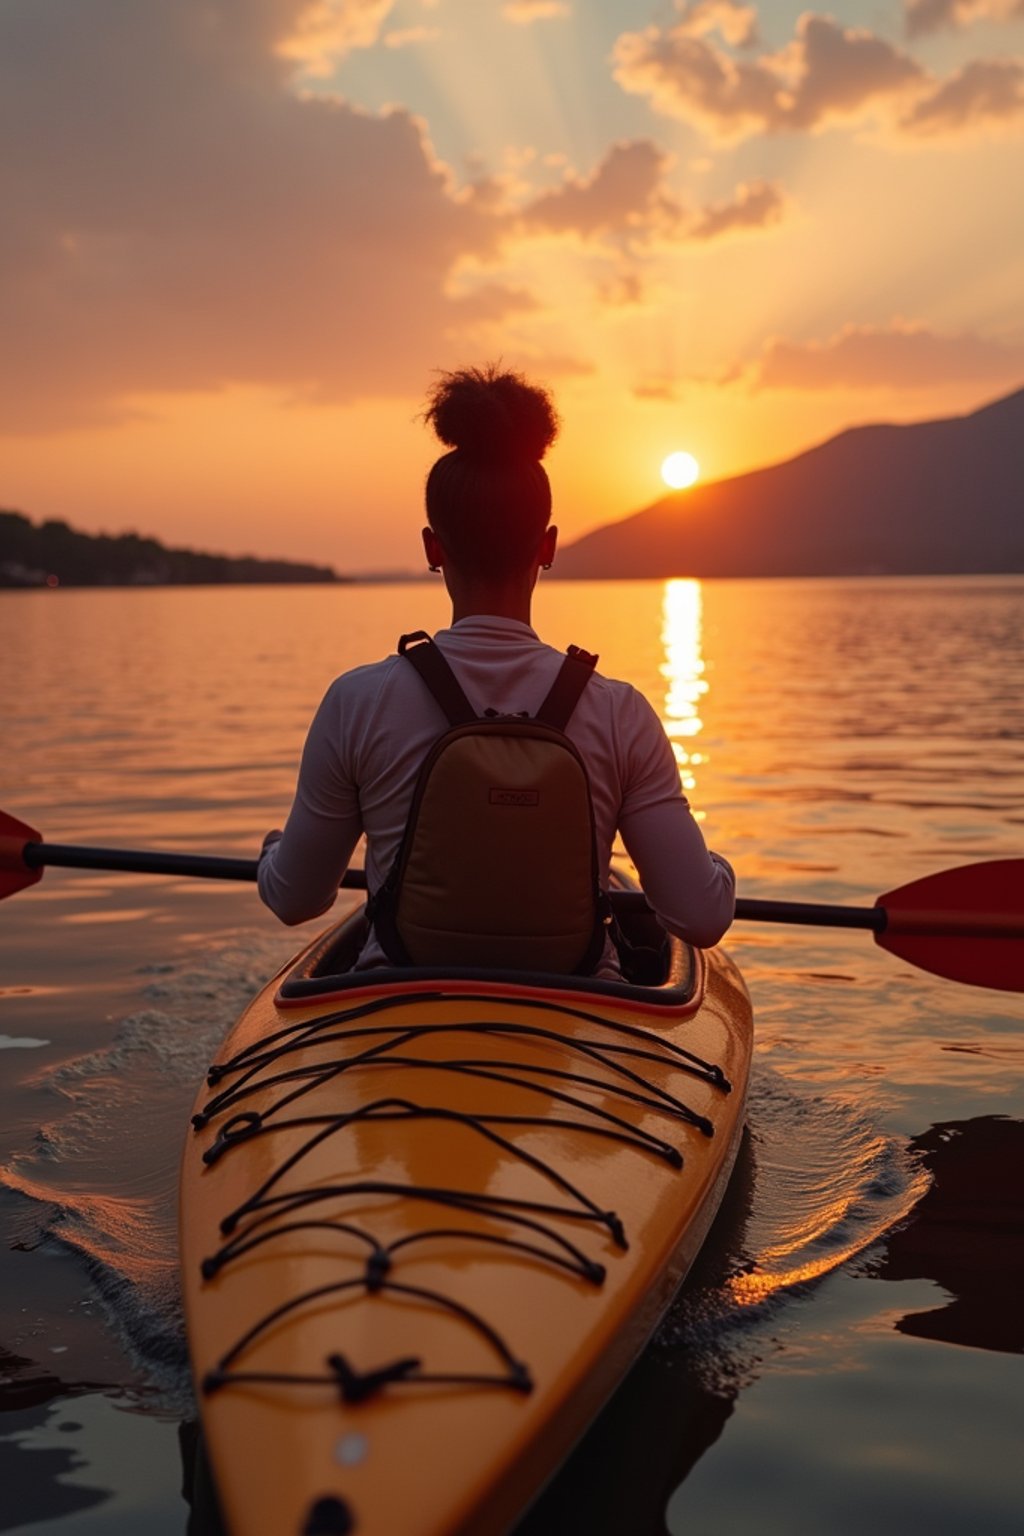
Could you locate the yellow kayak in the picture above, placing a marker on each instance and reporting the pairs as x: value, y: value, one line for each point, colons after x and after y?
x: 429, y: 1219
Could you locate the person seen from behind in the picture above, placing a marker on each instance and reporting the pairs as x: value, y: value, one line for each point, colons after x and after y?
x: 489, y: 533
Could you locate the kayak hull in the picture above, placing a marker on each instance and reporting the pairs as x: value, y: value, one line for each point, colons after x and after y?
x: 427, y: 1225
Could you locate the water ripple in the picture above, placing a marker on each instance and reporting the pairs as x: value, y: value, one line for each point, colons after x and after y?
x: 829, y: 1184
x: 100, y: 1177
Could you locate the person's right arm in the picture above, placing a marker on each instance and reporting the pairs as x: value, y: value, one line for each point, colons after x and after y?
x: 692, y: 890
x: 300, y: 869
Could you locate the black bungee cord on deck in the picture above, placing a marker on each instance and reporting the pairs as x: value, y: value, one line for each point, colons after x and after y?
x: 266, y: 1214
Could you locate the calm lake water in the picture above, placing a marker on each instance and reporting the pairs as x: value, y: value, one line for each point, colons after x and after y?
x: 849, y: 1354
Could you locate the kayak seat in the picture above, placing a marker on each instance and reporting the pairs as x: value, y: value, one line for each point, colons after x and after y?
x: 659, y: 970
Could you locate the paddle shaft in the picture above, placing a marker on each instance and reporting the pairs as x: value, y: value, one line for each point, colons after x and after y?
x: 209, y: 867
x: 967, y: 923
x: 964, y: 924
x: 145, y: 861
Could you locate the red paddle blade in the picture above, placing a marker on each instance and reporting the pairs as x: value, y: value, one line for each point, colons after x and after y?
x: 967, y: 924
x: 14, y: 872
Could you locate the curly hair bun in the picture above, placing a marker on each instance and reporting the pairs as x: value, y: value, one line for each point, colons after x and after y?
x: 492, y: 413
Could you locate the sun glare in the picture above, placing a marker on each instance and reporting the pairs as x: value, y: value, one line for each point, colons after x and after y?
x: 680, y: 470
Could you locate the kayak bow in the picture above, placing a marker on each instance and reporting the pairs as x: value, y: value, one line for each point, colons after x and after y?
x: 428, y: 1221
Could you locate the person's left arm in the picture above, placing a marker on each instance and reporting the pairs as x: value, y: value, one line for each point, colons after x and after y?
x: 691, y: 889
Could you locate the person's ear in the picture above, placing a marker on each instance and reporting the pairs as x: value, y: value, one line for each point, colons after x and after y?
x: 433, y: 549
x: 547, y: 547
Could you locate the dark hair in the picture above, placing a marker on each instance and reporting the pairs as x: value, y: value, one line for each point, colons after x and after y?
x: 489, y: 500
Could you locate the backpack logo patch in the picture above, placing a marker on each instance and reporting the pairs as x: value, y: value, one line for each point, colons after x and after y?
x: 514, y: 797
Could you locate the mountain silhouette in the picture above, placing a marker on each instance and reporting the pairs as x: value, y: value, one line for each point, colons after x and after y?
x: 934, y: 497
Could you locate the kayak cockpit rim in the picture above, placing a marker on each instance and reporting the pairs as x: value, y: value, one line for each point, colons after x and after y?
x: 322, y: 974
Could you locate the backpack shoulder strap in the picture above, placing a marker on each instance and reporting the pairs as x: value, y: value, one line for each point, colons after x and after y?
x: 419, y: 649
x: 564, y: 694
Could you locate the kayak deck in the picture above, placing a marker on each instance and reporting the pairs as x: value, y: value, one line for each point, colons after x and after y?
x: 428, y: 1224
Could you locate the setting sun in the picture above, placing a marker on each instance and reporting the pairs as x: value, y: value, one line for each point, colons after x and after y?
x: 680, y: 470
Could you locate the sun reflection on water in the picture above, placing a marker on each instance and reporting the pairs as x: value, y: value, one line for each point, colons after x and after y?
x: 683, y: 669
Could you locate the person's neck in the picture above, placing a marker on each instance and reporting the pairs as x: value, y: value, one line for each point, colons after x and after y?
x: 500, y: 601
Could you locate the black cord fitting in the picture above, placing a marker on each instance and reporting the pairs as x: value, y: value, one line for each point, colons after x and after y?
x: 236, y: 1129
x: 519, y: 1377
x: 616, y: 1229
x: 377, y: 1266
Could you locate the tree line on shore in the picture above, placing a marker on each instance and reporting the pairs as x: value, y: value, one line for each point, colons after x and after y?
x: 53, y: 554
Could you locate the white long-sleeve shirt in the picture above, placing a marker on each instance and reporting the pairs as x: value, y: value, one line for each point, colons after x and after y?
x: 376, y: 724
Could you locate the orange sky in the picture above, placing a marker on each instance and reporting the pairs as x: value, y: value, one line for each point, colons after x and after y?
x: 239, y: 235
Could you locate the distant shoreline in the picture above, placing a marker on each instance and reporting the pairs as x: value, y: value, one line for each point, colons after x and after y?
x: 7, y: 587
x: 887, y: 578
x: 52, y: 555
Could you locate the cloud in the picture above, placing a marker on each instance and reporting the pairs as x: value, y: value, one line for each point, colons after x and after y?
x: 986, y: 92
x: 625, y: 206
x: 923, y: 16
x: 691, y: 79
x: 324, y: 31
x: 898, y: 356
x: 734, y: 21
x: 826, y: 74
x: 524, y: 11
x: 837, y: 72
x: 754, y: 205
x: 176, y: 219
x: 627, y: 193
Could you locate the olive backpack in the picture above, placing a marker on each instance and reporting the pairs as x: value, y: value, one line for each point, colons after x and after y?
x: 498, y: 863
